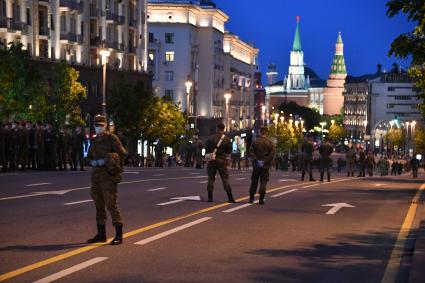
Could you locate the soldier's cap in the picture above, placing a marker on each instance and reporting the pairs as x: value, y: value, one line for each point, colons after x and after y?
x: 99, y: 119
x: 221, y: 126
x: 263, y: 129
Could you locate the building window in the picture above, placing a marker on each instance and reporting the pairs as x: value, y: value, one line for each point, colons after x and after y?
x: 402, y: 97
x: 169, y: 75
x: 63, y: 23
x: 151, y: 37
x: 169, y: 38
x: 169, y: 56
x: 169, y: 93
x: 28, y: 16
x: 391, y: 88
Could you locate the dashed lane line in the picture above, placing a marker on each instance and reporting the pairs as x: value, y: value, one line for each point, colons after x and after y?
x: 38, y: 184
x: 284, y: 193
x: 172, y: 231
x: 54, y: 259
x: 157, y: 189
x: 78, y: 202
x: 71, y: 270
x: 309, y: 186
x: 239, y: 207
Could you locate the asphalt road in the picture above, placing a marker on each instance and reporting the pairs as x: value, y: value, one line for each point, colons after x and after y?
x: 46, y: 219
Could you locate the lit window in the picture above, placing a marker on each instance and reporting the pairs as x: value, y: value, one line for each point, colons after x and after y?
x: 169, y: 56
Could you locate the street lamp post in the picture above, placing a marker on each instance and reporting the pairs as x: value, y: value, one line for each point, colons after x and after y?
x: 105, y: 54
x: 188, y: 85
x: 322, y: 124
x: 263, y: 108
x: 227, y: 97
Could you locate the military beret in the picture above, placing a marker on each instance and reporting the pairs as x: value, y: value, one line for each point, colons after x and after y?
x: 221, y: 126
x: 99, y: 119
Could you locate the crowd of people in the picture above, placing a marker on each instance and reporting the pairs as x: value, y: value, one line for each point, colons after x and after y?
x: 25, y: 145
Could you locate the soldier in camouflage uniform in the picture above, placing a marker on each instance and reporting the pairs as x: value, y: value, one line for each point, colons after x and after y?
x: 104, y: 151
x: 262, y: 152
x: 351, y: 161
x: 219, y: 163
x: 325, y: 151
x: 307, y: 158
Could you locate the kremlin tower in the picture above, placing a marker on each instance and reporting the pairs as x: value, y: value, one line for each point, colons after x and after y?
x: 333, y: 100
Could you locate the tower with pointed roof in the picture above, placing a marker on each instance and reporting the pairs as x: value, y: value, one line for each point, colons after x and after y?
x: 296, y: 80
x: 333, y: 99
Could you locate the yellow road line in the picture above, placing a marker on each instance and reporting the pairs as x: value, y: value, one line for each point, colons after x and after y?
x: 394, y: 262
x: 78, y: 251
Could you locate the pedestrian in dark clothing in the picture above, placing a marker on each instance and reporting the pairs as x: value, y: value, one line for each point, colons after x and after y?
x: 325, y: 151
x: 77, y: 149
x: 50, y: 145
x: 218, y: 148
x: 262, y: 152
x: 64, y: 140
x: 307, y: 157
x: 362, y: 163
x: 414, y: 163
x: 370, y: 163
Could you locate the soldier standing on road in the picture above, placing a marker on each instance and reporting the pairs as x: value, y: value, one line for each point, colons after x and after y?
x: 220, y: 146
x: 39, y: 146
x: 370, y: 163
x: 77, y: 149
x: 362, y: 163
x: 107, y: 156
x: 351, y: 161
x: 307, y: 158
x: 325, y: 151
x: 50, y: 144
x: 262, y: 152
x: 414, y: 163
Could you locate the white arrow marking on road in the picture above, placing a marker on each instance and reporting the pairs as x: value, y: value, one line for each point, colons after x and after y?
x: 62, y: 192
x: 71, y: 270
x: 39, y: 184
x: 180, y: 199
x: 78, y: 202
x: 337, y: 206
x: 157, y: 189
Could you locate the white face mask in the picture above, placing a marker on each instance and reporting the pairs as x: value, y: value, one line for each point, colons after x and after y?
x: 99, y: 130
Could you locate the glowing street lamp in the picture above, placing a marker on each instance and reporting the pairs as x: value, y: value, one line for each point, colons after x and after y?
x: 264, y: 108
x: 188, y: 85
x: 227, y: 97
x: 332, y: 122
x: 282, y: 118
x: 105, y: 54
x: 322, y: 124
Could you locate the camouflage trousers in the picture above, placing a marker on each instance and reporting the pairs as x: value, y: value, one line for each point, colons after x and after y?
x: 262, y: 175
x: 105, y: 194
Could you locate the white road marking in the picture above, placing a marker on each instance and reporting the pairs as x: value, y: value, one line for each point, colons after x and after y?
x: 77, y: 202
x: 131, y: 172
x: 194, y: 173
x: 286, y: 180
x: 309, y: 186
x: 180, y: 199
x: 158, y: 175
x: 379, y: 185
x: 39, y: 184
x: 172, y: 231
x: 284, y: 193
x: 240, y: 179
x: 238, y: 207
x: 203, y: 182
x: 336, y: 207
x: 157, y: 189
x: 71, y: 270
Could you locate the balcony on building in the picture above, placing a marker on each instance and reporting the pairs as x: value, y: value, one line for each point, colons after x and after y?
x: 95, y: 41
x: 72, y: 5
x: 69, y: 36
x: 13, y: 25
x: 132, y: 22
x: 94, y: 12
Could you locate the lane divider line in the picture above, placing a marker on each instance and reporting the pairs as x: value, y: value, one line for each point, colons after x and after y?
x: 239, y: 207
x: 172, y: 231
x: 71, y: 270
x: 284, y: 193
x: 170, y: 202
x: 394, y: 262
x: 157, y: 189
x: 39, y: 184
x: 78, y: 202
x: 309, y: 186
x: 60, y: 257
x: 203, y: 182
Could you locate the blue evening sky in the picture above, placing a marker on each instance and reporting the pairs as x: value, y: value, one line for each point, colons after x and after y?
x: 270, y: 24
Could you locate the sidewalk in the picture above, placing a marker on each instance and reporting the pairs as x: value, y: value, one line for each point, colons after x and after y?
x: 417, y: 272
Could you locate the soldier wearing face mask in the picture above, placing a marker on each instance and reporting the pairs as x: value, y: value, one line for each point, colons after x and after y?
x: 107, y: 156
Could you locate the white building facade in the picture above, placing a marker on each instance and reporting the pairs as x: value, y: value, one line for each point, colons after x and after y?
x: 188, y: 43
x: 76, y: 30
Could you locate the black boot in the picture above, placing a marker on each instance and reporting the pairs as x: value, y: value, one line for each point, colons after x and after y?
x: 100, y: 236
x: 251, y: 198
x: 118, y: 235
x: 230, y: 197
x: 302, y: 176
x: 329, y: 178
x: 321, y: 177
x: 210, y: 196
x: 261, y: 201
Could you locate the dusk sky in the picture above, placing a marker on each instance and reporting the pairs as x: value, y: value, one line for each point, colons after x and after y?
x: 366, y: 31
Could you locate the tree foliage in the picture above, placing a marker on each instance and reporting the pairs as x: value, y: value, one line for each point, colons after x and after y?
x: 419, y: 141
x: 412, y: 43
x: 287, y: 137
x: 396, y: 137
x: 311, y: 116
x: 336, y: 133
x: 21, y: 88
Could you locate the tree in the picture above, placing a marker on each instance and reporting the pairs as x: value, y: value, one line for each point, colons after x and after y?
x: 21, y: 88
x: 287, y: 136
x: 419, y: 141
x: 396, y: 137
x: 65, y: 93
x: 336, y: 133
x: 311, y: 116
x: 412, y: 43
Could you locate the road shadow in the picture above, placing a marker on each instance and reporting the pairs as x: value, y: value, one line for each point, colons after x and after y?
x: 342, y: 258
x: 56, y: 247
